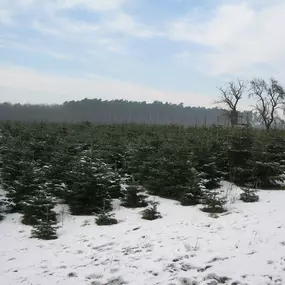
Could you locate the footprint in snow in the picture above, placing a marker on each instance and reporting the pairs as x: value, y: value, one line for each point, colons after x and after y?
x: 114, y: 270
x: 94, y: 276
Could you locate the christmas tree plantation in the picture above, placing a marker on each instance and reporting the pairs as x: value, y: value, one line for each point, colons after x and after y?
x: 87, y: 166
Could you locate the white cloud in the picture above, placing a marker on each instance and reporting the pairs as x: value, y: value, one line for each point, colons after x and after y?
x: 96, y: 5
x: 124, y: 23
x: 46, y: 18
x: 239, y: 36
x: 58, y: 55
x: 111, y: 45
x: 16, y: 45
x: 36, y: 87
x: 6, y: 18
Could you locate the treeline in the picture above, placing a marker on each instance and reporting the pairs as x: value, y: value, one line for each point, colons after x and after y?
x: 117, y: 111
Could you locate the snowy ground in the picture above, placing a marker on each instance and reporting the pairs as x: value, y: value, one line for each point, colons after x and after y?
x: 186, y: 246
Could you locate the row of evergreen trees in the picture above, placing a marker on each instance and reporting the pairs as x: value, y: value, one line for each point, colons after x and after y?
x: 85, y: 165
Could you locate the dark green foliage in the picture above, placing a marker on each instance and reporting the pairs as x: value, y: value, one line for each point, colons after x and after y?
x: 151, y: 213
x: 84, y: 164
x: 1, y: 210
x: 5, y: 207
x: 25, y: 186
x: 206, y: 159
x: 249, y: 195
x: 44, y: 230
x: 88, y: 192
x: 240, y: 156
x: 106, y: 219
x: 171, y: 175
x: 133, y: 197
x: 268, y: 163
x: 193, y: 194
x: 38, y: 207
x: 213, y: 202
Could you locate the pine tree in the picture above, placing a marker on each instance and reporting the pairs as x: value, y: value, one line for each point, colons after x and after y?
x: 240, y: 156
x: 112, y: 180
x: 213, y: 202
x: 24, y: 186
x: 268, y: 163
x: 59, y: 169
x: 105, y: 219
x: 1, y: 209
x: 172, y: 175
x: 45, y: 230
x: 89, y: 188
x: 39, y: 207
x: 193, y: 194
x: 5, y: 206
x: 206, y: 163
x: 249, y: 194
x: 151, y: 213
x: 133, y: 196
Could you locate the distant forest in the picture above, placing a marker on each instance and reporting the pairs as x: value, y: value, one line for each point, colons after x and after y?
x: 117, y: 111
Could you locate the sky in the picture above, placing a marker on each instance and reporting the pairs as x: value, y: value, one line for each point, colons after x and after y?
x: 53, y: 51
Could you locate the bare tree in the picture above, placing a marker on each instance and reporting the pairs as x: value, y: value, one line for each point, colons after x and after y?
x: 230, y: 97
x: 270, y: 97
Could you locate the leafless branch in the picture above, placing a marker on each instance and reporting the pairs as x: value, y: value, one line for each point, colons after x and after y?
x: 269, y: 98
x: 230, y: 97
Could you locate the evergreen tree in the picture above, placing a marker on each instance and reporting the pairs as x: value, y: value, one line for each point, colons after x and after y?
x: 105, y: 219
x: 249, y: 194
x: 134, y: 196
x: 240, y: 156
x: 58, y: 171
x: 268, y: 163
x: 193, y: 194
x: 1, y: 209
x: 89, y: 188
x: 112, y: 180
x: 213, y: 202
x: 45, y: 230
x: 38, y: 207
x: 206, y: 165
x: 151, y: 213
x: 5, y: 206
x: 25, y: 185
x: 173, y: 175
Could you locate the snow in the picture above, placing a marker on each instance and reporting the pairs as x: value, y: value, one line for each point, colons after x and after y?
x: 245, y: 245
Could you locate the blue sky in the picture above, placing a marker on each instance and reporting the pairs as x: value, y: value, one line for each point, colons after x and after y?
x: 168, y: 50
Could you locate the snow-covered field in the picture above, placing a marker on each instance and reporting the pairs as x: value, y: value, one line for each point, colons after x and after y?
x: 244, y: 246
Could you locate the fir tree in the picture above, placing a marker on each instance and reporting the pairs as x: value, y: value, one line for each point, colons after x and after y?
x: 268, y: 163
x: 45, y: 230
x: 193, y: 194
x: 59, y: 169
x: 112, y: 180
x: 151, y: 213
x: 89, y: 188
x: 39, y: 207
x: 240, y: 156
x: 1, y: 210
x: 133, y: 196
x: 213, y: 203
x: 206, y: 164
x: 173, y: 175
x: 25, y: 185
x: 105, y: 219
x: 249, y: 194
x: 5, y: 206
